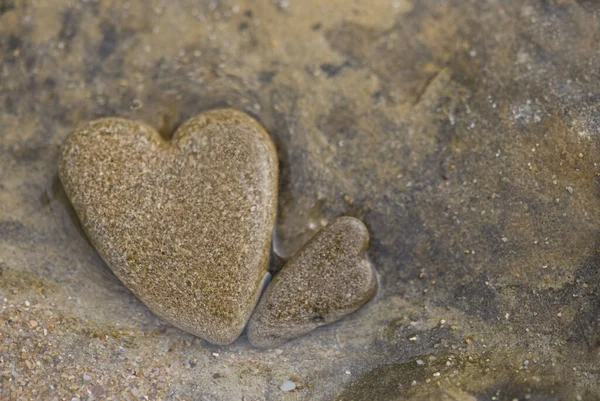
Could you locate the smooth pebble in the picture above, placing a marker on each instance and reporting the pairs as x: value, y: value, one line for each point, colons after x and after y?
x: 325, y: 281
x: 185, y: 224
x: 288, y: 385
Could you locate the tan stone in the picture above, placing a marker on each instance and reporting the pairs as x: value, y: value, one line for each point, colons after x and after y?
x: 185, y: 224
x: 325, y: 281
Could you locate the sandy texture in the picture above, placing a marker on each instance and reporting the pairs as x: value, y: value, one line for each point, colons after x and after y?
x: 464, y: 133
x: 185, y: 224
x: 323, y: 282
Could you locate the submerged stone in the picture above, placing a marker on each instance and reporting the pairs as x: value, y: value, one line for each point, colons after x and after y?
x: 186, y: 224
x: 325, y: 281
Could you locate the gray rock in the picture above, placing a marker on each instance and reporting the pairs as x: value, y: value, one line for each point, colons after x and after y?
x: 185, y: 224
x: 325, y: 281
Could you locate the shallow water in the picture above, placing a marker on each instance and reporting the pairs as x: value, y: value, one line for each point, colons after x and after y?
x: 464, y: 134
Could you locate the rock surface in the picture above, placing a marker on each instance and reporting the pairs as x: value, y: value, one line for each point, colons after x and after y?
x: 326, y: 280
x: 185, y: 224
x: 418, y: 117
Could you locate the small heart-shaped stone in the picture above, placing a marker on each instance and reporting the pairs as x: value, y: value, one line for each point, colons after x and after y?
x: 326, y: 280
x: 185, y: 224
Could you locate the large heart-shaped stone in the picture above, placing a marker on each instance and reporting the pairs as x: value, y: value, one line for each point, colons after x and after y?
x: 185, y: 224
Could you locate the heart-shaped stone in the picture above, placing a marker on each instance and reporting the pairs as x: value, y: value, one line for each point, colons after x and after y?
x: 326, y: 280
x: 185, y: 224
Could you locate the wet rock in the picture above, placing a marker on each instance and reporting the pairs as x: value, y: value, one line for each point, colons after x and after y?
x: 326, y: 280
x: 427, y: 134
x: 185, y: 224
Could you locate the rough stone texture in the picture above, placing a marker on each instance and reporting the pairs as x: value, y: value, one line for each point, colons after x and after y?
x: 186, y: 224
x: 326, y: 280
x: 418, y: 117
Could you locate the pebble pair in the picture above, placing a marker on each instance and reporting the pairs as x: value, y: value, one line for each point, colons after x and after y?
x: 186, y: 225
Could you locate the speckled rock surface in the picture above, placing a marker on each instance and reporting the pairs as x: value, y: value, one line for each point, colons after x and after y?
x: 326, y: 280
x: 185, y: 224
x: 453, y: 129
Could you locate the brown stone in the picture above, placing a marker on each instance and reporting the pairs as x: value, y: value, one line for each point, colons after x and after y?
x: 325, y: 281
x: 424, y: 113
x: 186, y: 224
